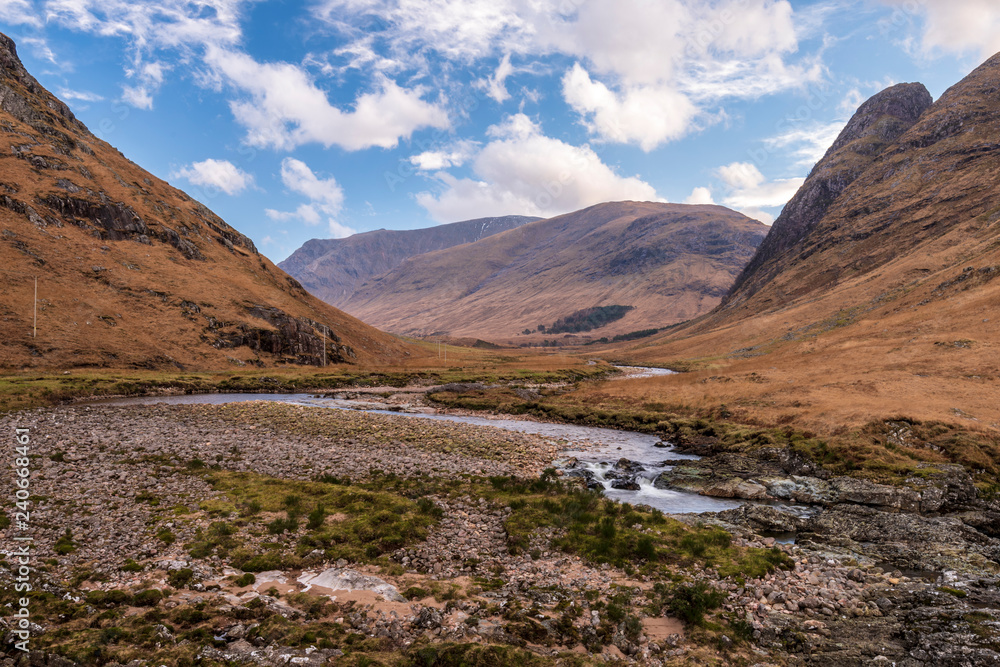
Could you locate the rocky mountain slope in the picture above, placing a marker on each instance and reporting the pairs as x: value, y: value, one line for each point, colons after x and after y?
x: 879, y: 122
x: 333, y: 269
x: 875, y: 291
x: 131, y: 271
x: 670, y: 262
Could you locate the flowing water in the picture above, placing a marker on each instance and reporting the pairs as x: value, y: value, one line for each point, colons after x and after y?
x: 590, y: 452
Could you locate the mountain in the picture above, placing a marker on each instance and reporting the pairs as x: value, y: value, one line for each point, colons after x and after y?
x: 875, y: 292
x: 877, y: 123
x: 131, y: 271
x: 333, y: 269
x: 668, y: 261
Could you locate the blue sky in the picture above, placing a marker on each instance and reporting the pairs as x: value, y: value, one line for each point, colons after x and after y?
x: 297, y: 120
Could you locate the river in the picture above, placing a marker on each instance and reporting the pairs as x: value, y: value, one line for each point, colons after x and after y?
x: 596, y: 450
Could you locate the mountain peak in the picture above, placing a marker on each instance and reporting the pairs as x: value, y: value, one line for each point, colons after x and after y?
x: 875, y: 125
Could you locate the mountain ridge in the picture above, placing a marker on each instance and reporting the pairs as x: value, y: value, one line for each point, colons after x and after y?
x: 671, y: 261
x: 333, y: 269
x: 131, y: 271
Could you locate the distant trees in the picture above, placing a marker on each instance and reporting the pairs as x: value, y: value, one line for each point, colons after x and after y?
x: 587, y: 319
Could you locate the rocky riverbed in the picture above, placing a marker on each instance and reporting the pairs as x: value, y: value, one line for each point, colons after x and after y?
x: 140, y: 516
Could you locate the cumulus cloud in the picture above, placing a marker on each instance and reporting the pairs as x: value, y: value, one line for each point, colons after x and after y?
x: 298, y: 177
x: 326, y: 198
x: 750, y: 192
x: 700, y: 195
x: 455, y: 155
x: 286, y: 108
x: 220, y: 175
x: 522, y: 171
x: 667, y: 62
x: 955, y: 27
x: 645, y: 115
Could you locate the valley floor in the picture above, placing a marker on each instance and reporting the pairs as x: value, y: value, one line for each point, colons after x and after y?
x: 257, y: 533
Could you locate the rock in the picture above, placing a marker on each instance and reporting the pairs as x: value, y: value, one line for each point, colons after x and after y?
x: 339, y: 579
x: 625, y: 483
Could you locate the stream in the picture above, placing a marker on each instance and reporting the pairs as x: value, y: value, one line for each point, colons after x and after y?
x: 601, y: 456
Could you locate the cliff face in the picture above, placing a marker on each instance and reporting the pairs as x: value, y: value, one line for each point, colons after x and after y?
x: 670, y: 261
x: 877, y: 124
x: 333, y: 269
x: 131, y: 271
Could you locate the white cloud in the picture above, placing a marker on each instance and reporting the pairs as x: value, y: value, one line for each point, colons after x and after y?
x: 522, y: 171
x: 307, y: 213
x: 452, y: 156
x: 19, y: 12
x: 138, y: 97
x: 496, y: 85
x: 149, y: 27
x: 82, y: 95
x: 665, y: 61
x: 460, y: 30
x: 298, y: 177
x: 700, y: 195
x: 217, y: 174
x: 645, y: 115
x: 955, y: 27
x: 287, y: 109
x: 40, y: 47
x: 326, y: 198
x: 750, y: 192
x: 339, y: 231
x: 807, y: 144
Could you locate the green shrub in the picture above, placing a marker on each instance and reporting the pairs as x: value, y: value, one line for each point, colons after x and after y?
x: 690, y: 603
x: 246, y: 579
x: 180, y: 578
x: 147, y: 598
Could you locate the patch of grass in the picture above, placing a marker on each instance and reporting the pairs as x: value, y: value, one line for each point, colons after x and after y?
x: 65, y: 544
x: 957, y: 592
x: 375, y: 523
x: 180, y: 578
x: 166, y: 536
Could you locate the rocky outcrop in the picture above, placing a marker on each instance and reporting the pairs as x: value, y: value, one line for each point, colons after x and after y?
x: 876, y: 124
x: 770, y: 475
x: 295, y: 340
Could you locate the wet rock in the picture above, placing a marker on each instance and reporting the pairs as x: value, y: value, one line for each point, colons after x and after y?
x: 625, y: 484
